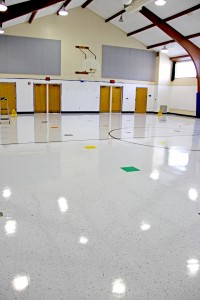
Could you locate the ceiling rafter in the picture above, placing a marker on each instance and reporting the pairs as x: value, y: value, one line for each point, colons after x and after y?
x: 32, y: 17
x: 178, y: 15
x: 115, y: 15
x: 87, y: 3
x: 180, y: 58
x: 191, y: 36
x: 24, y: 8
x: 140, y: 29
x: 64, y: 5
x: 191, y: 48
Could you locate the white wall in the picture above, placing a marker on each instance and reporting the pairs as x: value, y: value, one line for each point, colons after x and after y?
x: 162, y: 96
x: 24, y: 92
x: 165, y: 68
x: 163, y: 80
x: 80, y: 96
x: 183, y: 98
x: 179, y: 99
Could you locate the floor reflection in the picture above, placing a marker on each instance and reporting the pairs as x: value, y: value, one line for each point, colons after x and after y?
x: 142, y: 129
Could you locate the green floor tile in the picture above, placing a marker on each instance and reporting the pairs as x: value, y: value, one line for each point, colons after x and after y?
x: 130, y: 169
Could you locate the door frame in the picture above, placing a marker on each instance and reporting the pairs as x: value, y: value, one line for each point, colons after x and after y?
x: 60, y: 84
x: 121, y: 102
x: 33, y: 103
x: 38, y: 83
x: 139, y: 87
x: 15, y: 91
x: 107, y: 86
x: 110, y: 100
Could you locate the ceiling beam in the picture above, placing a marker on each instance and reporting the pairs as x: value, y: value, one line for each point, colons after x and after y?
x: 191, y: 36
x: 32, y: 16
x: 64, y: 5
x: 182, y: 13
x: 115, y: 15
x: 140, y: 30
x: 86, y: 3
x: 160, y: 44
x: 180, y: 58
x: 191, y: 48
x: 24, y: 8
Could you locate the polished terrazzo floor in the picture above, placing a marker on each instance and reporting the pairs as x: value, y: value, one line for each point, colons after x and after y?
x: 75, y: 226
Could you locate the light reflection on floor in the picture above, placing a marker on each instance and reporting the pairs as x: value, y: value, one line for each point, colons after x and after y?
x: 76, y: 226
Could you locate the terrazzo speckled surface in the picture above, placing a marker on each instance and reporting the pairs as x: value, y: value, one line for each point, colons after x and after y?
x: 77, y: 227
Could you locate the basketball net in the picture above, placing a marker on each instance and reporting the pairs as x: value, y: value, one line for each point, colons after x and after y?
x: 90, y: 65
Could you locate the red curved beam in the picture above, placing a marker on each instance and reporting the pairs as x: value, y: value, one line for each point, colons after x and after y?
x: 191, y: 48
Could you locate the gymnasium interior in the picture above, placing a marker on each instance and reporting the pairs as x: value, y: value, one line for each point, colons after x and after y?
x: 99, y: 149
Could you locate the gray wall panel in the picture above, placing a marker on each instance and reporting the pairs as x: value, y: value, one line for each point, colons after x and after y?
x: 52, y: 50
x: 3, y: 53
x: 35, y: 50
x: 23, y: 55
x: 16, y: 48
x: 128, y: 63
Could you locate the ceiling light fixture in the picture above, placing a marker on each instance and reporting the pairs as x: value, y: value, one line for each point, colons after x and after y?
x: 160, y: 2
x: 1, y: 30
x: 63, y: 12
x: 126, y: 2
x: 121, y: 19
x: 3, y: 6
x: 164, y: 49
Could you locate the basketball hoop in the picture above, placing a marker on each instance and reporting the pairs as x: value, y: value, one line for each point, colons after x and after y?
x: 90, y: 65
x: 92, y: 71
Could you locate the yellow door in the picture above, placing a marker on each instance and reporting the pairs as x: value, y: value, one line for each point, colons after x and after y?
x: 40, y: 98
x: 54, y: 98
x: 105, y: 99
x: 141, y: 100
x: 116, y: 98
x: 8, y: 90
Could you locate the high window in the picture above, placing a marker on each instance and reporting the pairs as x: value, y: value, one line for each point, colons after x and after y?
x: 185, y: 69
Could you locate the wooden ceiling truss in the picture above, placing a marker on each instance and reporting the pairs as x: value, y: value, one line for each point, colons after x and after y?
x: 86, y: 3
x: 32, y: 16
x: 182, y: 13
x: 115, y: 15
x: 191, y: 36
x: 17, y: 10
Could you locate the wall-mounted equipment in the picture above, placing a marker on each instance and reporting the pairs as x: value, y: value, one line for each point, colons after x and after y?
x: 89, y: 65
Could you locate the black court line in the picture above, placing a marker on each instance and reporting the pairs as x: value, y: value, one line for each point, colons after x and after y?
x: 151, y: 146
x: 49, y: 142
x: 125, y: 140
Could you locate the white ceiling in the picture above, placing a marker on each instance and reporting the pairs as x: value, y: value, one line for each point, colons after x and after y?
x: 187, y: 24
